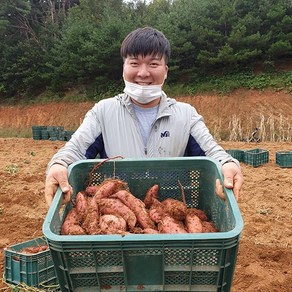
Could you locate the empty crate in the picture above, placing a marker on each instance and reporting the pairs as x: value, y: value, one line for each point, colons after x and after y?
x: 237, y: 154
x: 284, y: 158
x: 256, y: 157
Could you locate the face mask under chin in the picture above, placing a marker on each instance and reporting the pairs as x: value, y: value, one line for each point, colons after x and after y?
x: 143, y: 94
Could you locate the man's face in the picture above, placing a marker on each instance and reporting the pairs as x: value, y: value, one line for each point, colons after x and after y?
x: 148, y: 70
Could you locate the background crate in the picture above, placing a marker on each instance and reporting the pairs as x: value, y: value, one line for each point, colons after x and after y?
x: 147, y: 262
x: 35, y: 270
x: 68, y: 135
x: 256, y: 157
x: 237, y: 154
x: 37, y: 132
x: 284, y: 158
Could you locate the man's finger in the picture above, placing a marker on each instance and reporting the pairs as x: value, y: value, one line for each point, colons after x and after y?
x: 236, y: 191
x: 228, y: 182
x: 219, y: 190
x: 67, y: 195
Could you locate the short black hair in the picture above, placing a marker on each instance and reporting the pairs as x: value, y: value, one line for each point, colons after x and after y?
x: 146, y: 41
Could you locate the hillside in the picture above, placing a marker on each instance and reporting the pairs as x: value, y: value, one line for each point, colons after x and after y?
x: 230, y: 117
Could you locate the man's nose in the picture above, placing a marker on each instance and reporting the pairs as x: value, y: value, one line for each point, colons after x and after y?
x: 143, y: 70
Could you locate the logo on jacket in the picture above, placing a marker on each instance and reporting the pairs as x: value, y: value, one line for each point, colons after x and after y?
x: 165, y: 134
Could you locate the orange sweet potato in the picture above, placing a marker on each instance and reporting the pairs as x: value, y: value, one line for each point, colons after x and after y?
x: 112, y: 224
x: 137, y: 206
x: 209, y: 227
x: 175, y: 208
x: 91, y: 190
x: 91, y: 220
x: 170, y: 225
x: 34, y: 249
x: 71, y: 224
x: 81, y: 205
x: 152, y: 193
x: 200, y: 213
x: 150, y: 231
x: 108, y: 187
x: 156, y: 211
x: 193, y: 222
x: 114, y: 206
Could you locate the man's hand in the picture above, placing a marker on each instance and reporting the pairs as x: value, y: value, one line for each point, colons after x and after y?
x: 233, y: 178
x: 57, y: 176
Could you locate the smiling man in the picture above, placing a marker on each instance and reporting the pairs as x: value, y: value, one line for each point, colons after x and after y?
x: 142, y: 122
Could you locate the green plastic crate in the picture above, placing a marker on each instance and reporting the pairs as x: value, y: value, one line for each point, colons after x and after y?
x: 237, y: 154
x: 256, y: 157
x: 37, y: 132
x: 45, y: 135
x: 149, y: 262
x: 284, y: 158
x: 68, y: 135
x: 36, y: 270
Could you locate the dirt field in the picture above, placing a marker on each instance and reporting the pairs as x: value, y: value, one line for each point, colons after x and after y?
x: 264, y: 262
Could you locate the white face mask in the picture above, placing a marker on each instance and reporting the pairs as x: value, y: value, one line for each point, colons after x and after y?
x: 143, y: 94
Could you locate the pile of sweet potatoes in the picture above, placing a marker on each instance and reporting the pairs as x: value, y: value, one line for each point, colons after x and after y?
x: 34, y: 249
x: 110, y: 208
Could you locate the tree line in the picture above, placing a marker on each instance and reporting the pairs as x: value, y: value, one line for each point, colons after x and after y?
x: 59, y: 44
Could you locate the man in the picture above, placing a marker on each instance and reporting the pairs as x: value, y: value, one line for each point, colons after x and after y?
x: 141, y: 122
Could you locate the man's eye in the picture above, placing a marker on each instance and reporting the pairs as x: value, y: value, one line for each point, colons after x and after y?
x: 134, y: 64
x: 154, y: 65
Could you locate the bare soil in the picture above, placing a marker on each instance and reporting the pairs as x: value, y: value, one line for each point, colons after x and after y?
x: 264, y: 261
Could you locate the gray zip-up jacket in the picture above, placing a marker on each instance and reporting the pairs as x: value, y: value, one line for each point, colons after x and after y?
x: 111, y: 129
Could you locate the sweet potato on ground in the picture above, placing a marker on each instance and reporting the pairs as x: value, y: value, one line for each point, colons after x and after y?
x: 137, y: 206
x: 175, y: 208
x: 114, y: 206
x: 170, y: 225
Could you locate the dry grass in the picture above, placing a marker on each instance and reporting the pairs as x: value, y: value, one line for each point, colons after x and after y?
x: 270, y: 128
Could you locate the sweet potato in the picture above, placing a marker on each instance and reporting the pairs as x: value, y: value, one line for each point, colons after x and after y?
x: 170, y: 225
x: 152, y: 193
x: 137, y: 230
x: 137, y: 206
x: 114, y: 206
x: 149, y: 231
x: 71, y: 225
x: 81, y: 205
x: 175, y: 208
x: 91, y: 220
x: 209, y: 227
x: 200, y: 213
x: 91, y: 190
x: 34, y: 249
x: 156, y: 211
x: 193, y: 223
x: 108, y: 187
x: 112, y: 224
